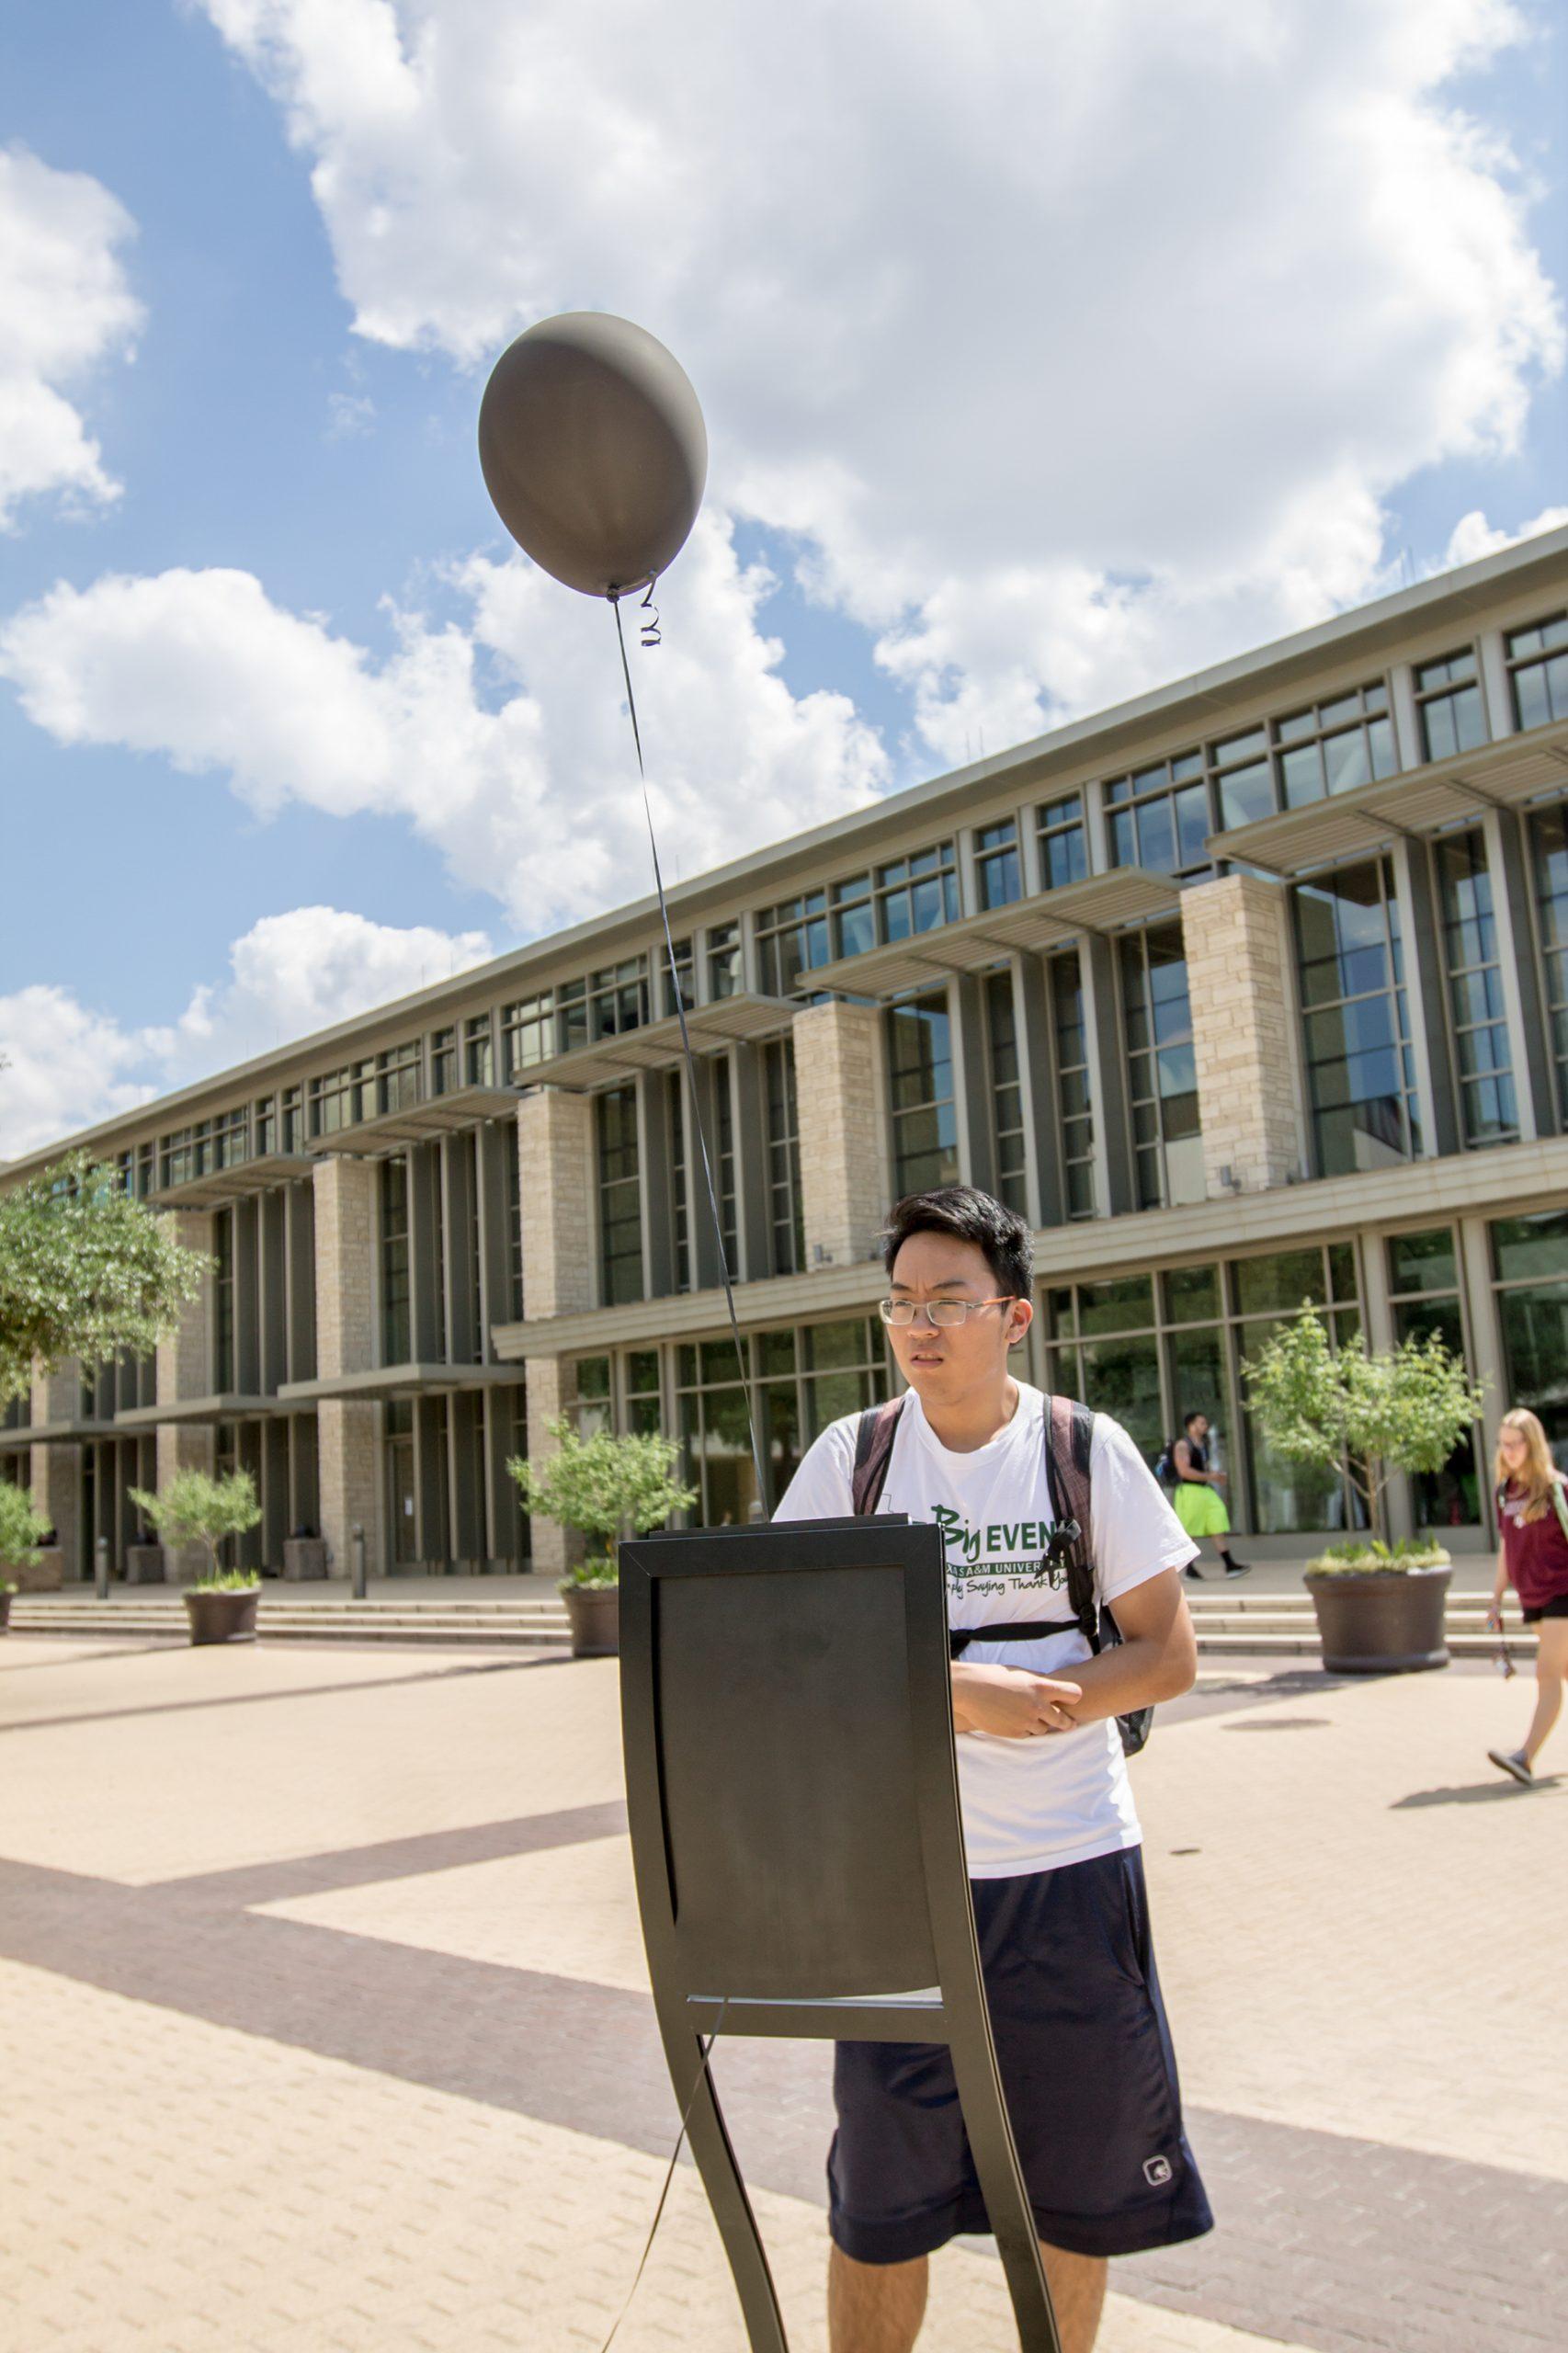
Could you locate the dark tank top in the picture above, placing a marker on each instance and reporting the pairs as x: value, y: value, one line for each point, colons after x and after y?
x: 1197, y: 1455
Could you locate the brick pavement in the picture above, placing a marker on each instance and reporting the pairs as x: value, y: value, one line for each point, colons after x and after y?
x: 324, y: 2023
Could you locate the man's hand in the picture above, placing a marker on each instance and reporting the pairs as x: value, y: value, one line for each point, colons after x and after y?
x: 1011, y: 1702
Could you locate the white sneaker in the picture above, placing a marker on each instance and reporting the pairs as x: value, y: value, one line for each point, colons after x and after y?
x: 1512, y: 1761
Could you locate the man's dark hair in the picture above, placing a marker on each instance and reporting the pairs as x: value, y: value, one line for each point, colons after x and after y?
x: 1196, y: 1415
x: 969, y: 1216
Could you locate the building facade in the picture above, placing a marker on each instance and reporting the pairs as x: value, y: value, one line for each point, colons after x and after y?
x: 1251, y: 991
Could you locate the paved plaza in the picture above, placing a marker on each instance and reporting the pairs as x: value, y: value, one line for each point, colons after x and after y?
x: 324, y: 2022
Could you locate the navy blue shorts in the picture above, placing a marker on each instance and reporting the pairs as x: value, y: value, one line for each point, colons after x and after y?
x: 1088, y: 2071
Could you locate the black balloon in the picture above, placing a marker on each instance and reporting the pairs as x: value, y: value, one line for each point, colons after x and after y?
x: 594, y: 450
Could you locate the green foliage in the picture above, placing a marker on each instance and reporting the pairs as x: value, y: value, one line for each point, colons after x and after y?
x: 84, y: 1271
x: 22, y: 1527
x: 194, y: 1508
x: 1409, y: 1552
x: 606, y: 1487
x: 1404, y: 1411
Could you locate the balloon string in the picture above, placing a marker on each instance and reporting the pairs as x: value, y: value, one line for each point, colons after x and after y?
x: 703, y: 2076
x: 679, y: 995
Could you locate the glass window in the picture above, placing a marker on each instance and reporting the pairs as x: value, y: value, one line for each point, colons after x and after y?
x: 680, y: 1214
x: 1334, y: 747
x: 1161, y: 1068
x: 1477, y: 1022
x: 678, y: 988
x: 620, y: 1196
x: 791, y: 940
x: 342, y: 1098
x: 917, y: 893
x: 1537, y: 663
x: 265, y: 1119
x: 293, y: 1121
x: 478, y: 1052
x: 590, y: 1403
x: 785, y: 1215
x: 724, y: 1160
x: 1192, y: 1294
x: 1074, y: 1108
x: 1006, y: 1093
x: 1549, y: 856
x: 725, y: 977
x: 998, y: 875
x: 397, y: 1328
x: 1064, y: 844
x: 223, y: 1301
x: 1160, y: 819
x: 571, y: 1016
x: 618, y: 998
x: 1448, y: 696
x: 853, y: 916
x: 1360, y: 1068
x: 1530, y: 1262
x: 399, y: 1087
x: 1424, y: 1288
x: 920, y: 1070
x: 528, y: 1033
x: 515, y: 1228
x: 443, y: 1062
x: 1244, y: 782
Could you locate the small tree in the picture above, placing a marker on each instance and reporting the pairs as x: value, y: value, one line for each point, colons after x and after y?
x: 1405, y: 1410
x: 606, y: 1487
x: 194, y: 1508
x: 84, y: 1271
x: 22, y: 1528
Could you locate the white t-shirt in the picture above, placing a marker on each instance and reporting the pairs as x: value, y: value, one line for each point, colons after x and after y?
x: 1028, y: 1806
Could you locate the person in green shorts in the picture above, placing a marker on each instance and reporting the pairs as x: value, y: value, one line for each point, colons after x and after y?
x: 1196, y: 1497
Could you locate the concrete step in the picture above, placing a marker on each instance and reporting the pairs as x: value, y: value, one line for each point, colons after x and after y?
x: 1303, y: 1644
x: 528, y: 1624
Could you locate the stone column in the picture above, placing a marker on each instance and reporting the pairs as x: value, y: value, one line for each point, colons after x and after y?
x: 555, y: 1139
x: 184, y: 1370
x: 838, y: 1086
x: 554, y: 1548
x: 346, y: 1429
x: 1243, y: 1029
x: 54, y: 1473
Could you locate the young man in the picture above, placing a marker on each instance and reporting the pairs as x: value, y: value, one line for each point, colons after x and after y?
x: 1197, y: 1500
x: 1051, y: 1834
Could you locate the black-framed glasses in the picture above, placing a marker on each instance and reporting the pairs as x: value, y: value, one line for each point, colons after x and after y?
x: 944, y: 1314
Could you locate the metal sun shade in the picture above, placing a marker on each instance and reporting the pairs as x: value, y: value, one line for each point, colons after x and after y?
x: 792, y: 1794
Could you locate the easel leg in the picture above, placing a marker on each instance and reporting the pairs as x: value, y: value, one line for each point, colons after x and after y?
x: 1001, y: 2179
x: 726, y: 2190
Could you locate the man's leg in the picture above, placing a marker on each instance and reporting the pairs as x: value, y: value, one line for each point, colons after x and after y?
x: 878, y: 2307
x: 874, y: 2307
x: 1078, y: 2291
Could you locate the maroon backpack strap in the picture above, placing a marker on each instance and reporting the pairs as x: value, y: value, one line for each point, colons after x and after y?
x: 873, y: 1452
x: 1069, y: 1447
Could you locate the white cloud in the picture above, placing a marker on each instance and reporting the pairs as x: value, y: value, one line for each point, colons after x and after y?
x: 529, y: 792
x: 65, y: 1065
x: 1474, y: 536
x: 66, y: 307
x: 1075, y: 345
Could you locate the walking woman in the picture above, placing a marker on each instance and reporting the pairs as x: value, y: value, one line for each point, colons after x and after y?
x: 1532, y: 1512
x: 1196, y: 1497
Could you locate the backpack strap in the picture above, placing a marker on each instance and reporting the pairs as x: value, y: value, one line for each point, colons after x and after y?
x: 1069, y: 1447
x: 874, y: 1436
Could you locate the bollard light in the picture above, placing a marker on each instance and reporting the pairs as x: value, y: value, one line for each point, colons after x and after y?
x: 101, y: 1568
x: 358, y: 1537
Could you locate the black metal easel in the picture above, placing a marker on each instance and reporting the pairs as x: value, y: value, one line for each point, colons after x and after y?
x: 792, y: 1792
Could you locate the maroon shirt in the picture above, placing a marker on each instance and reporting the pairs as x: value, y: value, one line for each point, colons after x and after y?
x: 1535, y: 1551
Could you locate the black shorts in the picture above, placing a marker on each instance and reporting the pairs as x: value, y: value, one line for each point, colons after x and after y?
x: 1556, y: 1608
x: 1088, y: 2068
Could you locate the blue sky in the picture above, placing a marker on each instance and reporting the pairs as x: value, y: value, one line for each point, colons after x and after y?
x: 966, y: 531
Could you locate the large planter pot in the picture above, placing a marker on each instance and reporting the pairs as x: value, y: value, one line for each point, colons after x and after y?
x: 145, y: 1564
x: 223, y: 1615
x: 46, y: 1575
x: 594, y: 1614
x: 1380, y: 1621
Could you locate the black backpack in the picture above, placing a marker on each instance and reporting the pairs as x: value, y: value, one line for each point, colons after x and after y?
x: 1069, y: 1439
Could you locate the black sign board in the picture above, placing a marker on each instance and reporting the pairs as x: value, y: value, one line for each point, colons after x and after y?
x: 792, y: 1790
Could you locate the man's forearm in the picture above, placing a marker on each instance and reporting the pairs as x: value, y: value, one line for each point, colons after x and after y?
x: 1135, y: 1673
